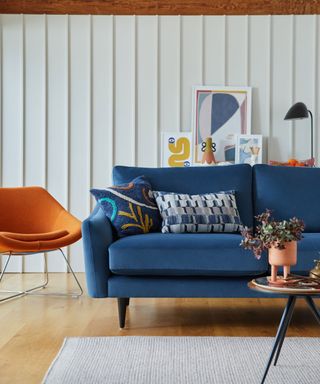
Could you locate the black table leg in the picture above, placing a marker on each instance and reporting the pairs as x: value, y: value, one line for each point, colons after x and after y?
x: 281, y: 332
x: 284, y: 330
x: 313, y: 307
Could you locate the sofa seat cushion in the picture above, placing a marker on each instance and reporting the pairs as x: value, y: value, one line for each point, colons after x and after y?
x: 308, y: 251
x: 187, y: 254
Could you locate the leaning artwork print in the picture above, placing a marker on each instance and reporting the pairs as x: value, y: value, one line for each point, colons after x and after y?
x: 249, y: 149
x: 219, y: 114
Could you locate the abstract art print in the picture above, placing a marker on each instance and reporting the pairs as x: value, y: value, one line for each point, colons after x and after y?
x: 176, y: 149
x: 219, y: 114
x: 249, y: 149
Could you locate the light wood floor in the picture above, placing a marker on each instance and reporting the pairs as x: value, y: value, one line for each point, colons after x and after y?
x: 32, y: 328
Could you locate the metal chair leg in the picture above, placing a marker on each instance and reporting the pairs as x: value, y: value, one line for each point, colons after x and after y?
x: 17, y: 294
x: 5, y: 266
x: 31, y: 291
x: 71, y: 294
x: 73, y: 274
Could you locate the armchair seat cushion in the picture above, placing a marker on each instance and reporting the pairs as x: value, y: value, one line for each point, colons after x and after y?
x: 32, y: 242
x: 35, y: 236
x: 187, y: 254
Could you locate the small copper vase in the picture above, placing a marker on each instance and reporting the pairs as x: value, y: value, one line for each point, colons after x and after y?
x: 208, y: 156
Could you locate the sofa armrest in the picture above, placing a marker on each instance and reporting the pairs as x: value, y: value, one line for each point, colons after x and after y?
x: 97, y: 237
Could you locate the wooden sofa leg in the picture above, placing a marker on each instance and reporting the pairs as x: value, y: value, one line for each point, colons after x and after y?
x: 122, y: 306
x: 127, y: 301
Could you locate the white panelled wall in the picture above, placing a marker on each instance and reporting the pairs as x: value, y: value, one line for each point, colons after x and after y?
x: 80, y: 94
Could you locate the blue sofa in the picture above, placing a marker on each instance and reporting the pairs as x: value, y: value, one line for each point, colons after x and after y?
x: 199, y: 265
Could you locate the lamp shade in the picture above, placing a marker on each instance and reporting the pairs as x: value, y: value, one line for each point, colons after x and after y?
x: 300, y: 111
x: 297, y: 111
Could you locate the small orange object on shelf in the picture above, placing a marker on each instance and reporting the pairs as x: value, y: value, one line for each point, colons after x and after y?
x: 294, y: 163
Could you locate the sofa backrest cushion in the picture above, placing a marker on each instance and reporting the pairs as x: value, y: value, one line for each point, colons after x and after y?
x: 288, y: 192
x: 194, y: 180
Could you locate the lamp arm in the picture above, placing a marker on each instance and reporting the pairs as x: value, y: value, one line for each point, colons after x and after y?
x: 311, y: 117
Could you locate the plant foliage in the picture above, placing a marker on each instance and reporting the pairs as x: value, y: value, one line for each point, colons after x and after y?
x: 271, y: 233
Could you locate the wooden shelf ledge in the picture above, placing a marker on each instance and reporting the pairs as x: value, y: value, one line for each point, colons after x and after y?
x: 161, y: 7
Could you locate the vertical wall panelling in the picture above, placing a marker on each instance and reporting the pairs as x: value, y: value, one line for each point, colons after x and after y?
x: 214, y: 50
x: 169, y: 73
x: 1, y: 84
x: 35, y: 117
x: 281, y: 88
x: 191, y: 64
x: 316, y: 89
x: 80, y: 94
x: 57, y: 118
x: 1, y: 113
x: 12, y: 108
x: 292, y: 84
x: 102, y: 96
x: 125, y: 92
x: 237, y: 50
x: 147, y: 90
x: 304, y: 84
x: 268, y: 106
x: 259, y: 76
x: 80, y: 121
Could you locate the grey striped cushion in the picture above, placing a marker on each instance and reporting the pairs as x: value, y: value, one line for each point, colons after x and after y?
x: 210, y: 212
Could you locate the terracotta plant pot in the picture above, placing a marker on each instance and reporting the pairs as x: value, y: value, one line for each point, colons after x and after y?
x: 282, y: 258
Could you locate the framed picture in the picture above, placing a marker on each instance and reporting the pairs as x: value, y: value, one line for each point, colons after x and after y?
x: 176, y: 149
x: 249, y: 149
x: 219, y: 114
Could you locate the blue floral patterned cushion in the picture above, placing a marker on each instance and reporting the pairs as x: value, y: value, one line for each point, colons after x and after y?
x: 130, y: 207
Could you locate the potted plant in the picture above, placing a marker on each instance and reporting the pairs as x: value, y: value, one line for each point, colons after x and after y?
x: 279, y: 238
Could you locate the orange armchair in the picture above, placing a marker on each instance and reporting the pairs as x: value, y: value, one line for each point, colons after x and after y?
x: 32, y: 221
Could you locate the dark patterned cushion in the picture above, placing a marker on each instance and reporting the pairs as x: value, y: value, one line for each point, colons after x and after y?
x: 210, y: 212
x: 130, y: 207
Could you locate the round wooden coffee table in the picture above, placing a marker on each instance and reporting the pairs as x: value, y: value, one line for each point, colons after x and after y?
x: 292, y: 295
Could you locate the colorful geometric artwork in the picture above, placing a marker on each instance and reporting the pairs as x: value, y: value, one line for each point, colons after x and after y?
x: 219, y: 114
x: 176, y: 149
x: 249, y: 149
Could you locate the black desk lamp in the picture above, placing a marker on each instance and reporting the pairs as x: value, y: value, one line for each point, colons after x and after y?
x: 300, y: 111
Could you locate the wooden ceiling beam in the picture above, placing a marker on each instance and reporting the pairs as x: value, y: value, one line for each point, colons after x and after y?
x: 161, y: 7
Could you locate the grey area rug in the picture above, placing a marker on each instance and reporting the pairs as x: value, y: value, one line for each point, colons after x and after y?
x: 183, y: 360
